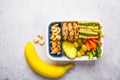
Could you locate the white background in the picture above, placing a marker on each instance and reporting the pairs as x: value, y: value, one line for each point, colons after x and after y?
x: 22, y: 20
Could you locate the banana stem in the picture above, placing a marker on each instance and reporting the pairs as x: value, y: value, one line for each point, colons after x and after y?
x: 69, y: 66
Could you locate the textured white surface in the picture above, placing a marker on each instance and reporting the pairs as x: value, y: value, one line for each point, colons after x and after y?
x: 22, y: 20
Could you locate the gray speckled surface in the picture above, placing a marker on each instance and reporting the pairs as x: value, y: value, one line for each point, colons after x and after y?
x: 22, y: 20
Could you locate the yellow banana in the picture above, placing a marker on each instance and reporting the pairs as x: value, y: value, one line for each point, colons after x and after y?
x: 41, y: 67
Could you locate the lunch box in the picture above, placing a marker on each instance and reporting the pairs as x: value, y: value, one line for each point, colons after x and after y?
x: 62, y: 56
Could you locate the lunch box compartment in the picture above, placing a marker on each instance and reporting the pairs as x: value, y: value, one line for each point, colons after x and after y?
x: 49, y: 33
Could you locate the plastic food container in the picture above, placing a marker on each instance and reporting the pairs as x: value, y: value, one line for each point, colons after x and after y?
x: 62, y: 56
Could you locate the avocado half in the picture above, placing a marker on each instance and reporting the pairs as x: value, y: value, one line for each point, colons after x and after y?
x: 69, y: 49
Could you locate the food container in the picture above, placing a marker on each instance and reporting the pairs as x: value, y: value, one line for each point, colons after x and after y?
x: 62, y: 56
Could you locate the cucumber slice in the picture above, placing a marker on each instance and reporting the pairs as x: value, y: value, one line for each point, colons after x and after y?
x: 94, y: 53
x: 98, y: 55
x: 91, y: 56
x: 98, y: 51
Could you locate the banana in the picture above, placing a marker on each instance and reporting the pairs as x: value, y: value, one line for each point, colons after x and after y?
x: 41, y: 67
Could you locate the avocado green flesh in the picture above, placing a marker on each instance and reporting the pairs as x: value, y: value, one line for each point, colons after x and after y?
x: 89, y: 24
x: 86, y: 34
x: 95, y: 30
x: 69, y: 49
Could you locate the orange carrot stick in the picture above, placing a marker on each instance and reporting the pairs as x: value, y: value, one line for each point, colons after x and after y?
x: 87, y: 45
x: 97, y: 41
x: 94, y: 40
x: 92, y: 44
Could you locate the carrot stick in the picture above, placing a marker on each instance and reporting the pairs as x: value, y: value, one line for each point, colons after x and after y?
x: 94, y: 40
x: 92, y: 44
x: 87, y: 45
x: 97, y: 41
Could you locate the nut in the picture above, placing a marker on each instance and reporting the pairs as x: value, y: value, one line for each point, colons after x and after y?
x: 74, y: 24
x: 58, y: 43
x: 58, y: 30
x: 53, y: 27
x: 71, y: 33
x: 42, y: 42
x: 54, y: 39
x: 54, y: 51
x: 55, y: 34
x: 55, y: 30
x: 54, y: 44
x: 58, y: 53
x: 59, y: 48
x: 64, y: 24
x: 52, y: 36
x: 36, y: 40
x: 58, y: 37
x: 69, y: 24
x: 56, y: 25
x: 40, y: 36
